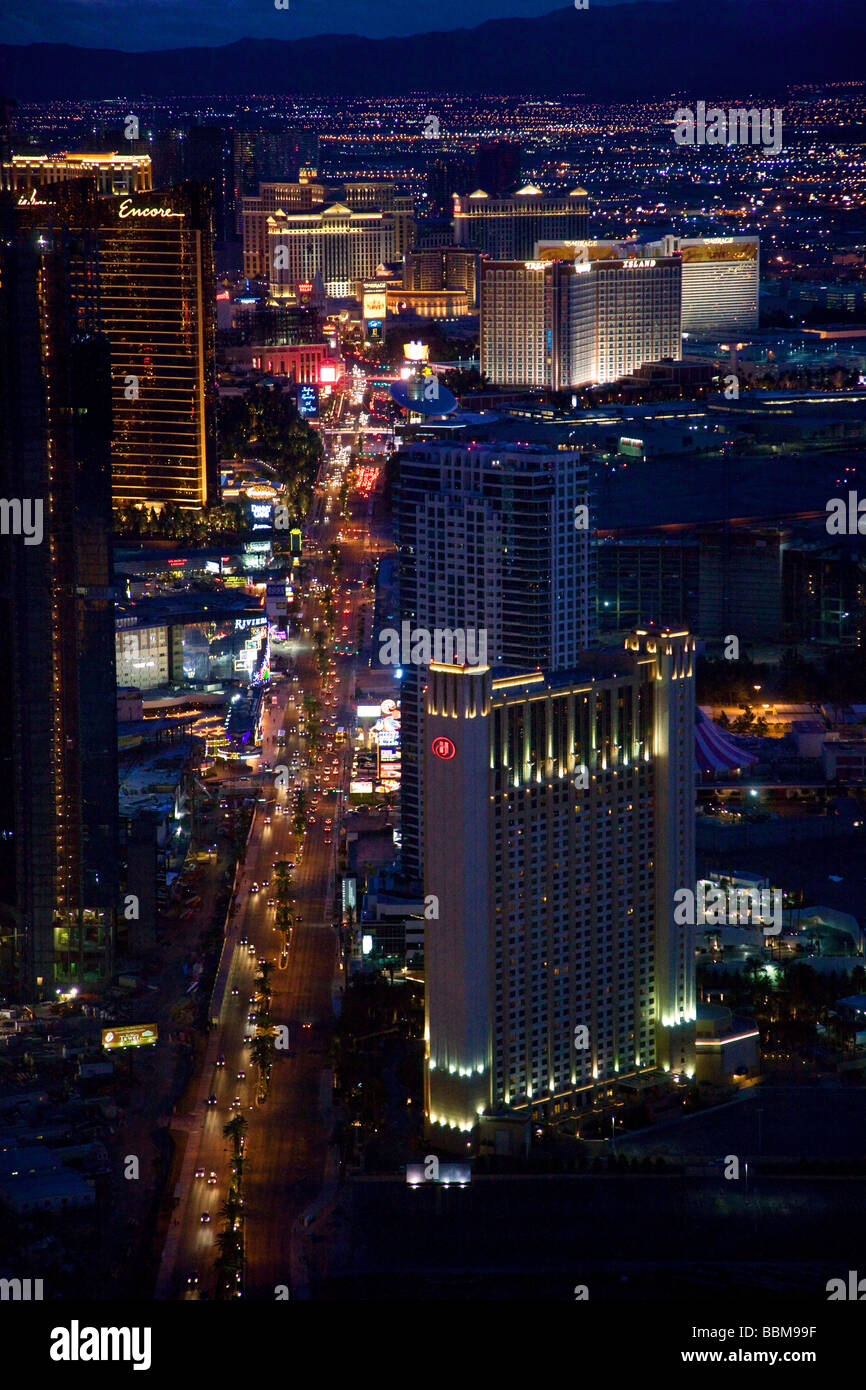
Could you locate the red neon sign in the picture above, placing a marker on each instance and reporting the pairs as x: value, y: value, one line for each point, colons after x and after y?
x: 443, y: 748
x: 305, y: 287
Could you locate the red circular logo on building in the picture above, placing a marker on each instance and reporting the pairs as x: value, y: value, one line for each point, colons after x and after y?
x: 443, y: 748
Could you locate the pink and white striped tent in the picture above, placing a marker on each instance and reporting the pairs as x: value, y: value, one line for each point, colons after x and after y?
x: 717, y: 752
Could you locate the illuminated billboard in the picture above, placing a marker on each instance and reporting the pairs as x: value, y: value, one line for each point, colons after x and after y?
x: 133, y: 1035
x: 576, y: 250
x: 718, y: 249
x: 374, y: 304
x: 308, y: 398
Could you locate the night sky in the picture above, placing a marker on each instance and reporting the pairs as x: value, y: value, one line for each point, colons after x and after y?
x: 150, y: 24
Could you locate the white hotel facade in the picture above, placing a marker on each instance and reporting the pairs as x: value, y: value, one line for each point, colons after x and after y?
x: 561, y: 323
x: 558, y: 823
x: 340, y: 244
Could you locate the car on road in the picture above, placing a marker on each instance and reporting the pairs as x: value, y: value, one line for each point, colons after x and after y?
x: 251, y: 950
x: 242, y: 1076
x: 211, y: 1178
x: 236, y: 1103
x: 205, y: 1218
x: 192, y: 1280
x: 221, y: 1061
x: 255, y: 888
x: 199, y: 1172
x: 211, y: 1100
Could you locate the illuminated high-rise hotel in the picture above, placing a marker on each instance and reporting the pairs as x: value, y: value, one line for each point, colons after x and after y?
x: 506, y: 229
x: 156, y: 288
x: 558, y: 321
x: 112, y: 173
x: 157, y: 305
x: 558, y: 824
x: 537, y: 324
x: 490, y: 540
x: 300, y: 196
x: 58, y: 729
x: 336, y: 242
x: 720, y: 282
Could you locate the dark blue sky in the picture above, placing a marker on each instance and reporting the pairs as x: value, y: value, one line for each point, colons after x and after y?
x: 148, y: 24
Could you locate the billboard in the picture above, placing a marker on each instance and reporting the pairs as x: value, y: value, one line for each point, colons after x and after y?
x: 374, y: 304
x: 719, y: 249
x: 132, y: 1035
x: 575, y: 250
x: 308, y: 398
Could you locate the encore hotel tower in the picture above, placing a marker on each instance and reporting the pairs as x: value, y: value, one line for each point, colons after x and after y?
x: 157, y: 296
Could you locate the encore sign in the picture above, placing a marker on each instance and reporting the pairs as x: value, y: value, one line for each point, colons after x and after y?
x: 126, y: 209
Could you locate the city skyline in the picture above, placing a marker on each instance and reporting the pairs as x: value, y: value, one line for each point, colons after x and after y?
x: 433, y: 734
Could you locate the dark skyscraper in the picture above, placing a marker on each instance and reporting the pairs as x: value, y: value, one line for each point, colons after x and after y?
x: 269, y: 156
x: 450, y: 174
x: 200, y: 154
x: 497, y: 166
x: 58, y: 837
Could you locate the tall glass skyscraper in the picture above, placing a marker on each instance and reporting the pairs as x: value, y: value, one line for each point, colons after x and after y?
x: 58, y: 731
x: 489, y: 540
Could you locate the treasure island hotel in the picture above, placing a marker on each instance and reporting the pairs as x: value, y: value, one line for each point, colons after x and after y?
x: 558, y: 822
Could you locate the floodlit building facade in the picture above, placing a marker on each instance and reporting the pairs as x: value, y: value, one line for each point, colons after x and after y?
x: 506, y: 229
x: 558, y: 823
x: 339, y: 244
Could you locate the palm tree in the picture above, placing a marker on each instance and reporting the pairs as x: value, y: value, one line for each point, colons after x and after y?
x: 262, y: 1057
x: 236, y: 1131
